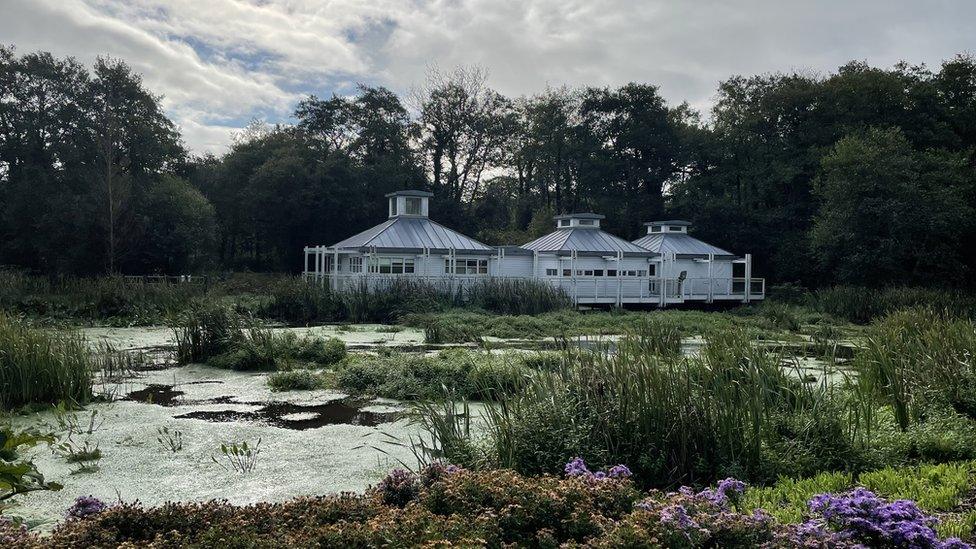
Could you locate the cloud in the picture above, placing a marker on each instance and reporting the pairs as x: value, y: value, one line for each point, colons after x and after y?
x: 221, y: 62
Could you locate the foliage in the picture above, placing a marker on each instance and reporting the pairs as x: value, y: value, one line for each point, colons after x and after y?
x: 17, y: 475
x: 448, y: 505
x: 862, y: 305
x: 890, y: 213
x: 295, y: 380
x: 171, y: 441
x: 84, y: 507
x: 241, y: 456
x: 455, y: 373
x: 732, y: 409
x: 916, y: 359
x: 41, y: 367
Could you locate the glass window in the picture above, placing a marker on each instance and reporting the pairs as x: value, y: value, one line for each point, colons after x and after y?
x: 611, y: 272
x: 585, y: 221
x: 385, y: 265
x: 551, y: 272
x: 598, y: 272
x: 408, y: 266
x: 656, y: 229
x: 355, y: 264
x: 412, y: 206
x: 567, y: 272
x: 653, y: 269
x: 642, y: 273
x: 564, y: 223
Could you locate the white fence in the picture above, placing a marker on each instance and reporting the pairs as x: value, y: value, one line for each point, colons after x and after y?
x: 581, y: 290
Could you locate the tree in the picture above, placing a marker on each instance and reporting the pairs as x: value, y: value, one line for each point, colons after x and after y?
x: 178, y: 228
x: 133, y: 141
x: 461, y: 128
x: 890, y: 214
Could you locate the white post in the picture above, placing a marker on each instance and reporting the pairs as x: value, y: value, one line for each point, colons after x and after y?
x: 711, y: 260
x: 335, y: 268
x: 305, y: 263
x: 745, y: 298
x: 535, y: 264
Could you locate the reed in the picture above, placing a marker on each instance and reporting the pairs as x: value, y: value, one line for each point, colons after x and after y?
x: 862, y: 305
x: 672, y: 419
x: 918, y: 358
x: 41, y: 367
x: 516, y: 297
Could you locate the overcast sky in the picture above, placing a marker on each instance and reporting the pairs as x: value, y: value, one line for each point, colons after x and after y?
x: 220, y: 63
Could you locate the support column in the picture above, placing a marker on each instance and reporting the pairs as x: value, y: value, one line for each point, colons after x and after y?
x: 335, y: 269
x: 711, y: 292
x: 745, y: 299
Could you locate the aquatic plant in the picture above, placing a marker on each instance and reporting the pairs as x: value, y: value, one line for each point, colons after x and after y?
x: 916, y: 359
x: 295, y: 380
x: 398, y: 488
x: 862, y: 305
x: 42, y: 367
x: 241, y: 456
x: 170, y: 440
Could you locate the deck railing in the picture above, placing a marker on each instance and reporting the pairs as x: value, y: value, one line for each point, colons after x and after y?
x: 582, y: 290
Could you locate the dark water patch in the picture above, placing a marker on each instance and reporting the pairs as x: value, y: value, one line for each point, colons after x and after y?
x: 169, y: 395
x: 301, y: 417
x: 163, y: 395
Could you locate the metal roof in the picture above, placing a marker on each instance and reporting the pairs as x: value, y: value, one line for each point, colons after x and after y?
x: 423, y: 194
x: 680, y: 244
x: 585, y: 215
x: 586, y: 241
x: 412, y: 233
x: 677, y: 222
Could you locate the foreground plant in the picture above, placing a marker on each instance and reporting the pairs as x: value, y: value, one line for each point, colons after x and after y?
x: 241, y: 456
x: 18, y: 475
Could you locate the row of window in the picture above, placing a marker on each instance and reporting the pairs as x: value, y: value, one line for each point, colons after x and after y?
x: 396, y: 265
x: 602, y: 272
x: 467, y: 266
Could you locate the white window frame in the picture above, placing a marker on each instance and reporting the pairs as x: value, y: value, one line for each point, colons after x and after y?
x: 467, y: 267
x: 408, y: 205
x: 356, y: 264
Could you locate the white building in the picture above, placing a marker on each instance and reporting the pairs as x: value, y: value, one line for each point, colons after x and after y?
x: 701, y: 272
x: 590, y: 265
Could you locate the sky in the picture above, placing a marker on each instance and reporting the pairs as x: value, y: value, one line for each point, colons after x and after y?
x: 220, y: 63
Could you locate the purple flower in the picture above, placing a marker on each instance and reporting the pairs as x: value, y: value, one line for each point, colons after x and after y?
x: 399, y: 487
x: 576, y: 468
x: 620, y: 471
x: 86, y: 506
x: 677, y: 515
x: 862, y: 516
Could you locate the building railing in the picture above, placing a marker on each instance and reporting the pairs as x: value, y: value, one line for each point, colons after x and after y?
x: 582, y: 290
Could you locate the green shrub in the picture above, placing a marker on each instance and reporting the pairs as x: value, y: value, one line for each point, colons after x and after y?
x: 862, y: 305
x: 42, y: 367
x: 457, y: 373
x: 516, y: 297
x: 295, y: 380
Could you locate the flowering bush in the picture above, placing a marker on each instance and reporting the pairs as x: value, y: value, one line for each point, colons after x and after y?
x: 86, y: 506
x: 444, y: 505
x: 13, y: 534
x: 398, y: 488
x: 862, y: 516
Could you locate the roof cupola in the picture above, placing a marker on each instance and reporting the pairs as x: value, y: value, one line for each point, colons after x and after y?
x: 409, y: 203
x: 669, y: 226
x: 578, y: 220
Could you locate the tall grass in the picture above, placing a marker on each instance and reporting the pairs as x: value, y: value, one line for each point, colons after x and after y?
x: 39, y: 367
x: 516, y: 297
x: 672, y: 419
x: 918, y: 358
x: 112, y: 300
x: 862, y: 305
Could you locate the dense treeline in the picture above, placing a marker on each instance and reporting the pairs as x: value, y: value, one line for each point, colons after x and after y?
x: 863, y: 176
